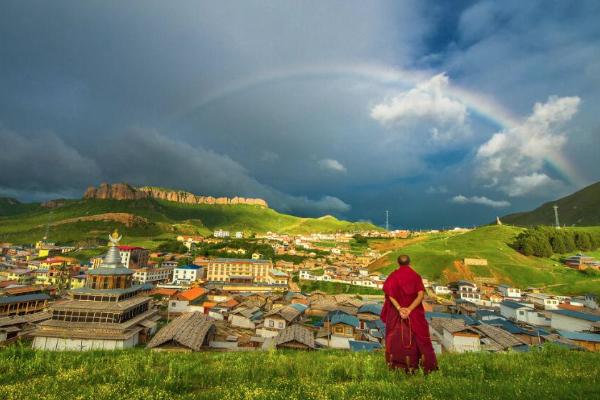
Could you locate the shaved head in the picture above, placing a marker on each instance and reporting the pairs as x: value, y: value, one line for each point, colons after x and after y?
x: 403, y: 260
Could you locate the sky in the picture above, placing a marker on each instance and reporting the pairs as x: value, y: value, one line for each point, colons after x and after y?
x: 444, y: 113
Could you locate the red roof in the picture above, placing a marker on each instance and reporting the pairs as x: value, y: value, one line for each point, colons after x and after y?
x: 129, y: 248
x: 229, y: 303
x: 191, y: 294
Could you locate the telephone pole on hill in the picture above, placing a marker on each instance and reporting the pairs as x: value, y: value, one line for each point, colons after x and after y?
x: 387, y: 220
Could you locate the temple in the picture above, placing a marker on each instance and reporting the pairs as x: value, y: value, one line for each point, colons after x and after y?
x: 109, y: 312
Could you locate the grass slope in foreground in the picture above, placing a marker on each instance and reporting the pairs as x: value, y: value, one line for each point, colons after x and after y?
x: 150, y: 219
x: 550, y: 373
x: 434, y: 259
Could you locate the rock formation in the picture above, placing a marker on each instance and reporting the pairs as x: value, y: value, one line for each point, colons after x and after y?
x: 123, y: 191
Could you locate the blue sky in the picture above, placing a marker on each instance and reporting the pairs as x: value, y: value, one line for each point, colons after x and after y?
x: 444, y: 113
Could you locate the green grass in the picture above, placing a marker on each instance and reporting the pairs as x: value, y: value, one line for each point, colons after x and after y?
x: 140, y: 374
x: 27, y: 223
x: 336, y: 288
x: 432, y: 256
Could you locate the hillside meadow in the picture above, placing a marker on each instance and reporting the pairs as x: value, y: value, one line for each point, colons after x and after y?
x: 151, y: 220
x: 549, y: 373
x: 435, y: 257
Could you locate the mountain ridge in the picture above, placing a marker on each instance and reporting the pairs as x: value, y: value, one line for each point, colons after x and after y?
x: 581, y: 208
x: 125, y: 191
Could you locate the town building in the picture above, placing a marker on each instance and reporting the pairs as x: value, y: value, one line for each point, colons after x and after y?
x: 188, y: 332
x: 245, y: 271
x: 23, y: 304
x: 576, y: 321
x: 153, y: 274
x: 110, y: 312
x: 508, y: 291
x: 188, y: 301
x: 542, y: 301
x: 187, y: 274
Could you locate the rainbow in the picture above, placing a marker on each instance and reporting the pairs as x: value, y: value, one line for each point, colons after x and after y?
x: 477, y: 103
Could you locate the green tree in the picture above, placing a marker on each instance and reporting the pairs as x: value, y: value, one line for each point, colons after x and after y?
x: 583, y: 241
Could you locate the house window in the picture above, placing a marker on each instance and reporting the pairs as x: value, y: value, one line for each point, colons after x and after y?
x: 173, y: 304
x: 521, y: 312
x: 271, y: 323
x: 280, y: 325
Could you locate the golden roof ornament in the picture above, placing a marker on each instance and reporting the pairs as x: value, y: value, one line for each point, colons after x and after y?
x: 114, y: 238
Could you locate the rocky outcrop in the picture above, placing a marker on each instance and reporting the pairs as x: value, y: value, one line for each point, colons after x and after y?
x: 123, y: 191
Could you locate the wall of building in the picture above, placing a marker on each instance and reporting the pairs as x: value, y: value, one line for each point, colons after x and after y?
x: 62, y: 344
x: 563, y: 322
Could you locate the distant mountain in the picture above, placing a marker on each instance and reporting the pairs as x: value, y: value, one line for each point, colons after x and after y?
x: 150, y: 218
x: 124, y: 191
x: 581, y: 208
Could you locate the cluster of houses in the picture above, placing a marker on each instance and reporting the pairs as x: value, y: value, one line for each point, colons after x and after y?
x: 240, y: 304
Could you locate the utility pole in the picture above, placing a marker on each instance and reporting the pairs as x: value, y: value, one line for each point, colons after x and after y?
x: 387, y: 220
x: 556, y: 217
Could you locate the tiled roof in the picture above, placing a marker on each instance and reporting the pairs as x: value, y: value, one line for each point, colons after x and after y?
x: 296, y: 333
x: 188, y: 330
x: 191, y: 294
x: 513, y: 304
x: 371, y: 308
x: 27, y: 297
x: 338, y: 317
x: 587, y: 337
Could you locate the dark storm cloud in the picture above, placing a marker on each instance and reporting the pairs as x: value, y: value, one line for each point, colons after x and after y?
x: 263, y: 99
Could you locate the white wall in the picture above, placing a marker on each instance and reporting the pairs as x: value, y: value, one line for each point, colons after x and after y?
x: 62, y: 344
x: 569, y: 324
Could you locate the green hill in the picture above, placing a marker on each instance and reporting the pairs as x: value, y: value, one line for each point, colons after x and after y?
x: 439, y: 257
x: 581, y: 208
x: 140, y: 220
x: 549, y: 373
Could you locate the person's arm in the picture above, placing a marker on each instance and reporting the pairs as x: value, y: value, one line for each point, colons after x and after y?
x: 395, y: 303
x: 404, y: 312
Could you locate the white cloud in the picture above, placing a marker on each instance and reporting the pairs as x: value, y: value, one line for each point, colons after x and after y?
x: 521, y: 185
x: 513, y: 159
x: 330, y: 164
x: 460, y: 199
x: 427, y: 104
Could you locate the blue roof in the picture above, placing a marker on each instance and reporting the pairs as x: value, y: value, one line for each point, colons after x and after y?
x: 485, y: 313
x: 587, y: 337
x: 375, y: 324
x: 339, y: 317
x: 468, y: 320
x: 506, y: 325
x: 189, y: 266
x: 578, y: 315
x: 299, y: 307
x: 26, y: 297
x: 356, y: 345
x: 372, y: 308
x: 513, y: 304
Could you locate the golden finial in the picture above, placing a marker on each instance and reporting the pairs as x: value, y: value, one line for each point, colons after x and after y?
x: 114, y: 238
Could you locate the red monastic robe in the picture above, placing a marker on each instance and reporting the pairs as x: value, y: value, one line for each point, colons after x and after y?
x: 406, y: 341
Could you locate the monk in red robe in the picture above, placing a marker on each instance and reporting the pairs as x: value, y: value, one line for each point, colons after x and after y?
x: 407, y: 341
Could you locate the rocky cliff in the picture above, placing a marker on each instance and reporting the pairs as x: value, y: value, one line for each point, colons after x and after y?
x: 123, y: 191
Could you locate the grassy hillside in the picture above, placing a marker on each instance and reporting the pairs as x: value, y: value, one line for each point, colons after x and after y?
x: 547, y: 374
x: 141, y: 220
x: 435, y: 258
x: 581, y: 208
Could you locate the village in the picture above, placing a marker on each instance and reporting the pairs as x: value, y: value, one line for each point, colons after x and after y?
x: 228, y: 299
